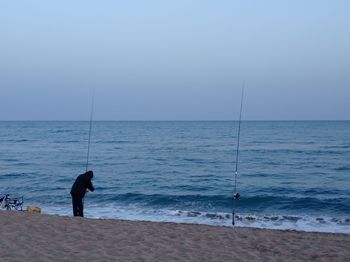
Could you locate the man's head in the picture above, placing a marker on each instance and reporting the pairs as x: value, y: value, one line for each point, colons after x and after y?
x: 90, y: 174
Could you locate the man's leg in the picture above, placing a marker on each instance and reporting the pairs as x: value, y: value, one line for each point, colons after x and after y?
x: 80, y: 206
x: 75, y: 206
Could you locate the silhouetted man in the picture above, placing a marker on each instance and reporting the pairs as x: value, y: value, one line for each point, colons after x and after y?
x: 79, y: 188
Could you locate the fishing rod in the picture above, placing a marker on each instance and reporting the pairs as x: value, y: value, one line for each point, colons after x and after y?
x: 236, y: 195
x: 91, y: 115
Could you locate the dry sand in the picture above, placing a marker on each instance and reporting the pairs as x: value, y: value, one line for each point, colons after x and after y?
x: 35, y: 237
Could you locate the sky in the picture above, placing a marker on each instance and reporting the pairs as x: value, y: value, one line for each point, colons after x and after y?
x: 175, y: 60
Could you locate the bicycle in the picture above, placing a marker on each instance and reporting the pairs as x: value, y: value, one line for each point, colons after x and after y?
x: 9, y: 203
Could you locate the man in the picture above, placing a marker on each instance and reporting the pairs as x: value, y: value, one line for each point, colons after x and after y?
x: 79, y: 188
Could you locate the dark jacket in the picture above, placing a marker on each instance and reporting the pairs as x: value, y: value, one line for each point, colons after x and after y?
x: 82, y: 183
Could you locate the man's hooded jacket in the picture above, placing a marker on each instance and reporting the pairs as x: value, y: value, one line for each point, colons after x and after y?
x: 82, y: 183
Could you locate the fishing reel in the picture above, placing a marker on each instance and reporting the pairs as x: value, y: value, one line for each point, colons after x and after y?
x: 236, y: 196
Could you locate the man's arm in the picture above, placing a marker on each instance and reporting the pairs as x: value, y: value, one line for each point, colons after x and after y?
x: 90, y: 186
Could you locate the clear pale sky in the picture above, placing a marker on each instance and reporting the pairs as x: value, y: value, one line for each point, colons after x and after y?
x: 175, y: 60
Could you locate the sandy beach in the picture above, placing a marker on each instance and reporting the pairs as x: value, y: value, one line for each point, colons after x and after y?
x: 37, y: 237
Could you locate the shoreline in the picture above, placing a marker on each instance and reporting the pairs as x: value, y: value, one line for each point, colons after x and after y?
x: 42, y: 237
x: 275, y: 222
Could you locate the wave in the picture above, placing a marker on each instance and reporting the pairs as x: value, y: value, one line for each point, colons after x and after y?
x: 342, y: 168
x: 324, y: 191
x: 59, y: 131
x: 18, y: 175
x: 313, y: 152
x: 268, y: 221
x: 338, y: 147
x: 114, y: 142
x: 263, y: 203
x: 261, y: 218
x: 19, y: 140
x: 10, y: 160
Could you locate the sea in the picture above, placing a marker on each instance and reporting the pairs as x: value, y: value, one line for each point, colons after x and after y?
x: 292, y: 175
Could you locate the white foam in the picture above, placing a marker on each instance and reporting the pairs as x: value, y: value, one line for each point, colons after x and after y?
x: 302, y: 223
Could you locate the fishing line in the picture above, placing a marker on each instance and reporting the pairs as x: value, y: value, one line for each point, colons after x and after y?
x: 91, y: 115
x: 236, y: 195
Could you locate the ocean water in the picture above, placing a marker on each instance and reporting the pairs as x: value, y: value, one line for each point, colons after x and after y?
x: 292, y: 174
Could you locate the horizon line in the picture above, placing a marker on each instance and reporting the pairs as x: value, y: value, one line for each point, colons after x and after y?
x: 170, y: 120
